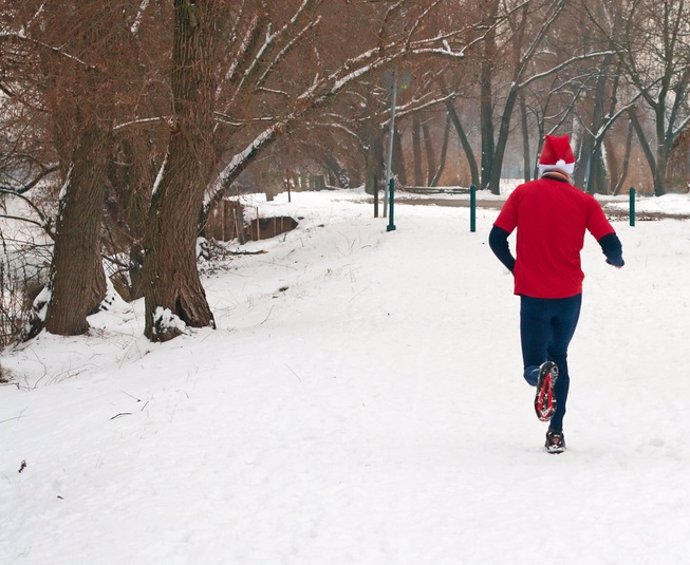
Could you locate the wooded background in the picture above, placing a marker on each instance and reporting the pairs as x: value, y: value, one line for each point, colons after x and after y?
x: 123, y: 124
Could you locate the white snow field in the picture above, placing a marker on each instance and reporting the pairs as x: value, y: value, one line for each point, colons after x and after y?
x: 361, y: 402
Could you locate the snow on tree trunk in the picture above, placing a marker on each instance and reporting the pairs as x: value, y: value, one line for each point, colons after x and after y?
x: 174, y: 296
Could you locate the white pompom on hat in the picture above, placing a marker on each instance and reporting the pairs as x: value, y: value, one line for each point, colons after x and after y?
x: 556, y: 155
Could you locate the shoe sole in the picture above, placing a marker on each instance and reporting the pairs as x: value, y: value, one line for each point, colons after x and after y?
x: 545, y: 398
x: 554, y: 449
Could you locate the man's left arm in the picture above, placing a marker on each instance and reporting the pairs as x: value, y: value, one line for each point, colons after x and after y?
x: 604, y: 233
x: 613, y: 249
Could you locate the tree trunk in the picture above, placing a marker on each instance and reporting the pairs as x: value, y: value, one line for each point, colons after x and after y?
x: 79, y: 105
x: 335, y: 169
x: 77, y: 279
x: 487, y: 125
x: 598, y: 178
x: 467, y: 148
x: 133, y: 193
x: 644, y: 143
x: 444, y: 154
x: 526, y: 156
x: 373, y: 158
x: 661, y: 151
x: 591, y: 171
x: 502, y: 143
x: 417, y: 150
x: 660, y: 171
x: 486, y: 117
x: 626, y: 161
x: 430, y: 154
x: 398, y: 164
x: 174, y: 295
x: 612, y: 164
x: 583, y: 165
x: 372, y: 143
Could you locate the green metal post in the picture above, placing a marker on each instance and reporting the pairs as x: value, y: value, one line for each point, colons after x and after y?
x: 391, y: 191
x: 632, y: 206
x: 473, y: 208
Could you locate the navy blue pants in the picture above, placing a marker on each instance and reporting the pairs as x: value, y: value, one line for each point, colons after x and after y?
x: 546, y: 328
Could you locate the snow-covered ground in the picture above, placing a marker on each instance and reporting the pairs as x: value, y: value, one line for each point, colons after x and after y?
x: 361, y: 403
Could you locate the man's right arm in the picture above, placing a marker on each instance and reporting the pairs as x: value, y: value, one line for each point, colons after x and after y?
x: 498, y: 241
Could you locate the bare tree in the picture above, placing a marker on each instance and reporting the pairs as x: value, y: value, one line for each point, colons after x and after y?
x: 651, y: 40
x: 70, y: 84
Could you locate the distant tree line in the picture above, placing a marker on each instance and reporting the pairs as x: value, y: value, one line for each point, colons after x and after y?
x: 124, y: 123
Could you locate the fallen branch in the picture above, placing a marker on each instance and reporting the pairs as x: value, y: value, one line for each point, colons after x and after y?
x: 260, y: 252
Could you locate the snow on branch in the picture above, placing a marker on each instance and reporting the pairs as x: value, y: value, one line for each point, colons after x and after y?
x: 544, y: 29
x: 337, y: 126
x: 418, y: 22
x: 141, y: 122
x: 139, y: 17
x: 241, y: 159
x: 21, y: 37
x: 418, y: 105
x: 242, y: 52
x: 254, y: 65
x: 298, y: 13
x: 611, y: 119
x: 289, y: 45
x: 36, y: 15
x: 562, y: 65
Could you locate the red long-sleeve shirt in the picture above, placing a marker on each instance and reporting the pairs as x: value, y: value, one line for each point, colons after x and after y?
x: 551, y: 217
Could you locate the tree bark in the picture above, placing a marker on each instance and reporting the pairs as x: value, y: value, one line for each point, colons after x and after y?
x: 131, y: 175
x: 467, y: 148
x: 502, y: 143
x: 398, y: 164
x: 77, y: 280
x: 78, y: 100
x: 417, y: 150
x: 373, y: 158
x: 430, y: 154
x: 526, y: 156
x: 626, y: 161
x: 662, y: 147
x: 174, y: 292
x: 486, y: 117
x: 644, y: 142
x: 444, y: 154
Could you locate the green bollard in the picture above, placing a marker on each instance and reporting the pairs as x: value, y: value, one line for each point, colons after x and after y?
x: 632, y: 206
x: 391, y: 191
x: 473, y: 208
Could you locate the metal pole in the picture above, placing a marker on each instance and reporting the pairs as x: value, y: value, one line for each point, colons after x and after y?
x: 376, y: 197
x: 391, y: 189
x: 473, y: 208
x: 632, y: 206
x: 391, y: 133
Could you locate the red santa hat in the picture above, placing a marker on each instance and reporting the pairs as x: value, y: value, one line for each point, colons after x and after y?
x: 556, y: 155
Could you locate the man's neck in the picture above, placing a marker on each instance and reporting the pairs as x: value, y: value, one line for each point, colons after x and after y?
x: 556, y: 175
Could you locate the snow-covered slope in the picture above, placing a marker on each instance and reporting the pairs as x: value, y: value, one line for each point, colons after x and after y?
x: 361, y: 403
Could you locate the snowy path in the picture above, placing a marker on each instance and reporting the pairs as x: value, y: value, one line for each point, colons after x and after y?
x: 370, y: 413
